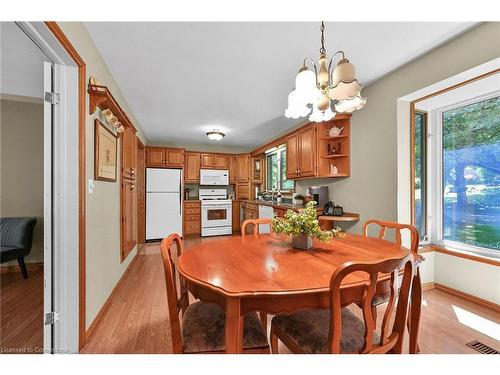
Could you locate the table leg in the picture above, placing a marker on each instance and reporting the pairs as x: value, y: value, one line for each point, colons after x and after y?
x: 234, y: 326
x: 416, y: 307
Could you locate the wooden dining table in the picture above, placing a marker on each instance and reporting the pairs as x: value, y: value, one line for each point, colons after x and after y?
x: 264, y: 273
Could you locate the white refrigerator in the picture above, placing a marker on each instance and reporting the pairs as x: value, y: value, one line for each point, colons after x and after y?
x: 163, y: 202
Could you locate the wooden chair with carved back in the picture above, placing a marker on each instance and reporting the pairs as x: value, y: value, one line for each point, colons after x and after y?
x: 381, y: 296
x: 200, y: 329
x: 338, y: 329
x: 255, y: 223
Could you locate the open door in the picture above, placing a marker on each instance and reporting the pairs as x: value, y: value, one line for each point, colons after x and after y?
x: 49, y: 316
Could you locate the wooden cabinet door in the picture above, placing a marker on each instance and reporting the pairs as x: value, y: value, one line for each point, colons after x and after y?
x: 207, y: 161
x: 257, y: 164
x: 221, y: 161
x: 232, y: 169
x: 129, y: 215
x: 129, y: 153
x: 192, y: 167
x: 155, y: 157
x: 236, y: 216
x: 174, y: 157
x: 307, y: 152
x: 242, y: 168
x: 292, y: 156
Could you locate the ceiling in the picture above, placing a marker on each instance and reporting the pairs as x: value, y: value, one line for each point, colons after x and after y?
x: 21, y: 63
x: 183, y: 79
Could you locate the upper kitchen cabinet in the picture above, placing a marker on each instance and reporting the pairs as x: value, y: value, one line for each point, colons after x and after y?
x: 242, y: 168
x: 301, y: 153
x: 257, y: 170
x: 192, y: 168
x: 129, y: 153
x: 164, y: 157
x: 214, y: 161
x: 232, y: 168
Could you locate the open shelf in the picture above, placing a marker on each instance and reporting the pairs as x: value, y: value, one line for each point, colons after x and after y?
x: 334, y: 156
x: 332, y: 138
x: 100, y: 96
x: 340, y: 144
x: 336, y: 175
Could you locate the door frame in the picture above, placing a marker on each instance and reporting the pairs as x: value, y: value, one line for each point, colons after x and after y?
x: 50, y: 38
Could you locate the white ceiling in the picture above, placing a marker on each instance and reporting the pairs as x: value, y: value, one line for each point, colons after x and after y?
x: 21, y: 63
x: 183, y: 79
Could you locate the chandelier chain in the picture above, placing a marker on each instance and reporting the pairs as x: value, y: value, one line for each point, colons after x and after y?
x: 322, y: 28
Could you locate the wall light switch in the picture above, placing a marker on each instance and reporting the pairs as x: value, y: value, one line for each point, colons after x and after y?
x: 91, y: 186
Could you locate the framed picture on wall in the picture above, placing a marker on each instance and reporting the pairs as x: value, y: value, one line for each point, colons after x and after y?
x: 105, y: 153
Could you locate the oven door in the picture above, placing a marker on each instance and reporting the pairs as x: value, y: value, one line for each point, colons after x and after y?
x: 215, y: 216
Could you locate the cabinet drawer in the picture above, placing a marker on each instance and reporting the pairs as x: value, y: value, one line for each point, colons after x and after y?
x: 192, y: 211
x: 250, y: 214
x: 192, y: 218
x: 192, y: 227
x: 192, y: 204
x: 252, y: 206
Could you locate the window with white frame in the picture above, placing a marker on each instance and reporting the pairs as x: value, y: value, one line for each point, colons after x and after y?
x: 276, y: 170
x: 457, y: 174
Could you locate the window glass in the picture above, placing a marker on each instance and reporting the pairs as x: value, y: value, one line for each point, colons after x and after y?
x: 285, y: 184
x: 471, y: 174
x: 272, y: 171
x: 420, y: 173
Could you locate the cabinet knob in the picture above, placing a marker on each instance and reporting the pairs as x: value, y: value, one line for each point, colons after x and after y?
x: 132, y: 186
x: 131, y: 171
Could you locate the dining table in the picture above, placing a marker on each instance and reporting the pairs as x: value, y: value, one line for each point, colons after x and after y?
x: 265, y: 273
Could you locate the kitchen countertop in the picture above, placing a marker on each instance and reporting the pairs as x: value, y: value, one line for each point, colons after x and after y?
x: 286, y: 206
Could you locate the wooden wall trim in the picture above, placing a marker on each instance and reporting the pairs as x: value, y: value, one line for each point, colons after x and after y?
x: 66, y: 44
x: 30, y: 267
x: 105, y: 307
x: 469, y: 297
x: 459, y: 254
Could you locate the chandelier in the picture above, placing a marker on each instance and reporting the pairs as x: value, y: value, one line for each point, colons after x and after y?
x: 326, y: 91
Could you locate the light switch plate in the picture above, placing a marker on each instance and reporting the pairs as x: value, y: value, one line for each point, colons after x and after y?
x: 91, y: 186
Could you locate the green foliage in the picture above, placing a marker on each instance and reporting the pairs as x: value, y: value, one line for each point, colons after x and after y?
x: 305, y: 222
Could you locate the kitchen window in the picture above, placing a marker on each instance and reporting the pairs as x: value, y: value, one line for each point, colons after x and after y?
x: 461, y: 188
x: 276, y: 170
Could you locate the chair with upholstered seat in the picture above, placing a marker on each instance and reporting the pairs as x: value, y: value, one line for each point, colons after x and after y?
x: 339, y: 330
x: 383, y: 226
x: 255, y: 223
x: 201, y: 327
x: 16, y: 238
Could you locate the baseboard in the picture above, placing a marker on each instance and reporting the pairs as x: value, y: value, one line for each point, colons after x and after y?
x: 458, y: 293
x: 15, y: 268
x: 104, y: 309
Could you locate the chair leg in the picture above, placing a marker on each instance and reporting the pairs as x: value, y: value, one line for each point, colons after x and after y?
x: 274, y: 341
x: 374, y: 315
x: 22, y: 266
x: 263, y: 321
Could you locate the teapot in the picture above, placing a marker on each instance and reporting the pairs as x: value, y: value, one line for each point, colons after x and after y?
x: 334, y: 131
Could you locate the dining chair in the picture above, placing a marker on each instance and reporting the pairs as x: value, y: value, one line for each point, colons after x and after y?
x: 255, y: 223
x: 338, y: 329
x: 382, y: 293
x: 201, y: 327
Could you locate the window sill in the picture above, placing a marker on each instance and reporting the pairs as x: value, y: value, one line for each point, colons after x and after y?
x: 461, y: 254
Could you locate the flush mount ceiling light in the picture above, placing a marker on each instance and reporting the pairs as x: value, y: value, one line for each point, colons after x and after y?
x: 323, y: 92
x: 215, y: 135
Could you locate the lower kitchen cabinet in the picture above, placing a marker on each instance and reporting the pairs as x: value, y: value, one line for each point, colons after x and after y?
x: 235, y: 216
x: 192, y: 217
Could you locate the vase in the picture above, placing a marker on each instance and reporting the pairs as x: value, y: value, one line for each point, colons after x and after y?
x: 302, y: 241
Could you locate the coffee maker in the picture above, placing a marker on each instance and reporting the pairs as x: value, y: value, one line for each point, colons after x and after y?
x: 319, y: 194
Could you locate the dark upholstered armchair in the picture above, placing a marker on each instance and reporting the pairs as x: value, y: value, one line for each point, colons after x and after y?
x: 16, y: 237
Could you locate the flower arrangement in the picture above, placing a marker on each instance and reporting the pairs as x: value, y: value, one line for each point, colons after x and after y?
x: 303, y: 226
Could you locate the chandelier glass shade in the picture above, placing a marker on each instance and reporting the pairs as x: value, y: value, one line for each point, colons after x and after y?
x: 322, y: 92
x: 215, y: 135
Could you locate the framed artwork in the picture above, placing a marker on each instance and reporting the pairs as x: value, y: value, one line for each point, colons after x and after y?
x: 105, y: 153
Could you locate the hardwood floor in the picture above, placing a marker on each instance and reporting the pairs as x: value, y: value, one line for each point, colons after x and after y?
x: 137, y: 320
x: 21, y: 312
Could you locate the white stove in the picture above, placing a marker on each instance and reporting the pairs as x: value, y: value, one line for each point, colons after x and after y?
x: 216, y: 209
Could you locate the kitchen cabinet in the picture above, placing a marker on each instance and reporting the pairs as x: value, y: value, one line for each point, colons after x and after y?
x: 301, y: 152
x: 257, y: 170
x: 235, y: 216
x: 250, y: 211
x: 242, y: 168
x: 192, y: 168
x: 128, y: 192
x: 165, y: 157
x: 232, y: 169
x: 214, y: 161
x: 242, y: 190
x: 192, y: 217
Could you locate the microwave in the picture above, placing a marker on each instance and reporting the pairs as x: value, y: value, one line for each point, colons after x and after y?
x: 214, y: 177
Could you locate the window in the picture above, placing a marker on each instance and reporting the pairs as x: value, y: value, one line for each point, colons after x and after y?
x: 470, y: 138
x: 276, y: 170
x: 420, y: 173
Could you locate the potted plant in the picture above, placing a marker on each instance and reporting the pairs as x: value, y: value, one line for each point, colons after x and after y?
x: 303, y: 227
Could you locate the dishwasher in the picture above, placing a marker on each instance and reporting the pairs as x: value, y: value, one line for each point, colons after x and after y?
x: 265, y: 212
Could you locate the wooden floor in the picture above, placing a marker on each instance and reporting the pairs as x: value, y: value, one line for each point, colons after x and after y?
x: 21, y: 312
x: 137, y: 321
